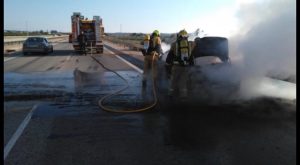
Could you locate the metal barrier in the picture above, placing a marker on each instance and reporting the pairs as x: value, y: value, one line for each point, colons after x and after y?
x: 125, y: 43
x: 22, y: 41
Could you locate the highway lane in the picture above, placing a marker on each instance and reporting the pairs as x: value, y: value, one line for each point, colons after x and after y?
x: 64, y: 58
x: 26, y: 71
x: 71, y: 129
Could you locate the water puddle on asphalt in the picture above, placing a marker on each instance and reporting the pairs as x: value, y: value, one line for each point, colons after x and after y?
x: 39, y: 81
x: 88, y: 85
x: 66, y: 81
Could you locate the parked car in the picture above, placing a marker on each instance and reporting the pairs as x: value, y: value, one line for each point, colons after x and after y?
x: 37, y: 45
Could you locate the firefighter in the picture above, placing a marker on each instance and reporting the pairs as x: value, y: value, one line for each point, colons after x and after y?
x: 153, y: 53
x: 82, y: 39
x: 145, y: 44
x: 178, y: 61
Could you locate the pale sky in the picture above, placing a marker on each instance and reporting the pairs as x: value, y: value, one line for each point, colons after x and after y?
x: 167, y: 16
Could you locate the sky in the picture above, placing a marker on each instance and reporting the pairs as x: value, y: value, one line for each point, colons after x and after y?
x: 167, y: 16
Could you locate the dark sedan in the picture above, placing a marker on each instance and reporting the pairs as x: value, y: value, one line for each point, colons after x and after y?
x: 37, y: 45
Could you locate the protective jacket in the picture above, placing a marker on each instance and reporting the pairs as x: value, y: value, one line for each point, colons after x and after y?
x: 180, y: 53
x: 154, y: 46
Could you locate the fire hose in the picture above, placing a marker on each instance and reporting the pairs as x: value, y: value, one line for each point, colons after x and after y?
x: 100, y: 102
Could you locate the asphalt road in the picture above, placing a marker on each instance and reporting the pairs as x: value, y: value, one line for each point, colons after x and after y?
x: 68, y: 127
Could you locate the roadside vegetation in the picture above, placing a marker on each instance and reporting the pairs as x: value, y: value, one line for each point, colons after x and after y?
x: 32, y: 33
x: 132, y: 40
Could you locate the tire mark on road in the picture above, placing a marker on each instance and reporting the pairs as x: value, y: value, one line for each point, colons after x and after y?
x: 95, y: 68
x: 28, y: 63
x: 51, y: 68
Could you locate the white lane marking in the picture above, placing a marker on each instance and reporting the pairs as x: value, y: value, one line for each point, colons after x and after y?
x: 18, y: 133
x: 128, y: 63
x: 11, y: 58
x: 133, y: 66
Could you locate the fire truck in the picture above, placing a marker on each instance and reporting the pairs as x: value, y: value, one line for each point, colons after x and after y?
x: 92, y: 29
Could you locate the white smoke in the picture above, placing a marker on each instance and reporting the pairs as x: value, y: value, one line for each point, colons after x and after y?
x: 165, y: 48
x: 268, y: 44
x: 195, y: 34
x: 264, y: 45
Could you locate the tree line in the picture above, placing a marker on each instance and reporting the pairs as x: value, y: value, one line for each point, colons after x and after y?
x: 25, y: 33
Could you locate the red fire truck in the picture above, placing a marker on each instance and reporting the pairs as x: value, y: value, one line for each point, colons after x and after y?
x: 92, y: 29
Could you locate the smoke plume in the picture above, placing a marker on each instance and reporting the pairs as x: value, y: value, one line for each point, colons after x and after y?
x: 264, y: 46
x: 267, y: 40
x: 165, y: 48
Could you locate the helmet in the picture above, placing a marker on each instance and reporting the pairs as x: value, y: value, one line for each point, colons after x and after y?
x: 156, y: 33
x: 147, y: 37
x: 183, y: 33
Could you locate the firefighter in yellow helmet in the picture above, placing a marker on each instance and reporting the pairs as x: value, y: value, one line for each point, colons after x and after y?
x: 178, y: 61
x: 145, y: 43
x: 152, y: 52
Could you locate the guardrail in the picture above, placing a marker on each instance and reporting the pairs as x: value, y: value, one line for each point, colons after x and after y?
x: 22, y: 40
x: 133, y: 45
